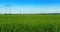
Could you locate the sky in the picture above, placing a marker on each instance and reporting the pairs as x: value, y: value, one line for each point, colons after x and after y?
x: 29, y: 6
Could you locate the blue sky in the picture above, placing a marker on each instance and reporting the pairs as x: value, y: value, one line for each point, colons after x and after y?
x: 30, y: 6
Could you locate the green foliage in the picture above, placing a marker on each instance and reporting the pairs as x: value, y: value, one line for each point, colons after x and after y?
x: 29, y: 23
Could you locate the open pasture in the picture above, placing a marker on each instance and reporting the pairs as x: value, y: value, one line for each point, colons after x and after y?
x: 30, y: 23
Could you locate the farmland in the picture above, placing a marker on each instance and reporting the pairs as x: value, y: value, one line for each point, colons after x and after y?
x: 30, y: 23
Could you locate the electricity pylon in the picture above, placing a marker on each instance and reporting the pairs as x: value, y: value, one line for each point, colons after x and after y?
x: 8, y: 8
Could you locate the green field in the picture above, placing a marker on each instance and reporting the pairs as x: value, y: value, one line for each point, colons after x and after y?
x: 30, y: 23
